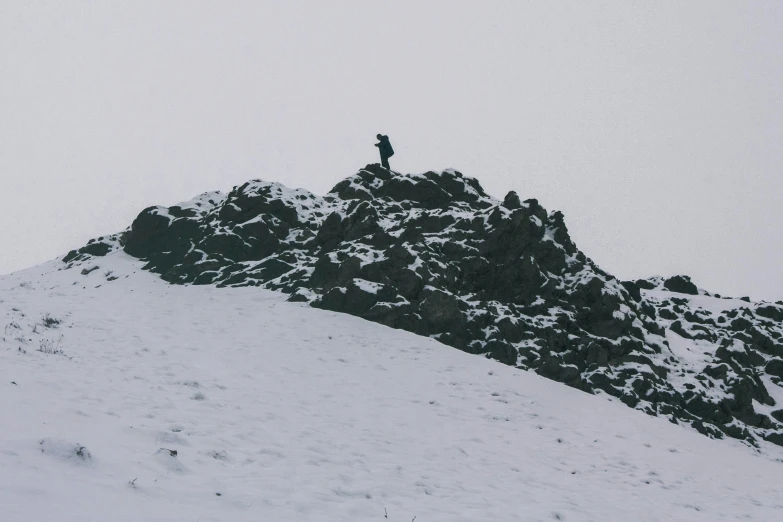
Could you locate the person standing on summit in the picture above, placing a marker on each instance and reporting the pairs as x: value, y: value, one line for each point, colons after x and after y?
x: 385, y: 148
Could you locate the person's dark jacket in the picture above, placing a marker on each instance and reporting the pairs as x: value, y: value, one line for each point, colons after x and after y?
x: 385, y: 146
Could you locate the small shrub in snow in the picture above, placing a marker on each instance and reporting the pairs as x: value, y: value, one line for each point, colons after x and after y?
x: 50, y: 346
x: 220, y: 455
x: 11, y: 327
x: 50, y: 322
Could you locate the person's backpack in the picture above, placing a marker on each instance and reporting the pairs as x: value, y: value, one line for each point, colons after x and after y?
x: 387, y: 145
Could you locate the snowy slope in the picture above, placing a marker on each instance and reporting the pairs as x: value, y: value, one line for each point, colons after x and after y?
x: 278, y: 411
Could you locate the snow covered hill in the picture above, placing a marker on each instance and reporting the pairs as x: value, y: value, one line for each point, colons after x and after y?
x: 435, y: 255
x: 127, y: 398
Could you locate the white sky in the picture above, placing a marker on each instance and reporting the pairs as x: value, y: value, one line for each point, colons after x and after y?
x: 656, y: 129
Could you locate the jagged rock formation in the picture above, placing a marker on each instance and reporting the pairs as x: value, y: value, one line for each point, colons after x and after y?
x: 435, y: 255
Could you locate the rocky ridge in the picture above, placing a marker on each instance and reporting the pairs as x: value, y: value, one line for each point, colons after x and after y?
x: 435, y: 255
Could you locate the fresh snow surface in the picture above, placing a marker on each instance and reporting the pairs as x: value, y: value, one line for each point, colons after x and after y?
x: 281, y: 412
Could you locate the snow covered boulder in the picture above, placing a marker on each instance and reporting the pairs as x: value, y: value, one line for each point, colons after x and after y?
x: 681, y: 284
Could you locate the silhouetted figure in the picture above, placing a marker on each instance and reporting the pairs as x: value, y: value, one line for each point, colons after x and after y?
x: 385, y: 148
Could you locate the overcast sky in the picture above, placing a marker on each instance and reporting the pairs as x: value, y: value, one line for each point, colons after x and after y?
x: 656, y: 128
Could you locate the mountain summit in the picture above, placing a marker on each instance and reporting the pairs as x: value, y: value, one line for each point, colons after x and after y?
x: 435, y: 255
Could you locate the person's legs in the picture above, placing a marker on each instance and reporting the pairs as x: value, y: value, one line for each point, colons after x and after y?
x: 385, y: 162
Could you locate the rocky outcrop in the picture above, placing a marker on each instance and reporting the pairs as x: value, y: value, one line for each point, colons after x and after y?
x: 94, y: 248
x: 435, y: 255
x: 681, y: 284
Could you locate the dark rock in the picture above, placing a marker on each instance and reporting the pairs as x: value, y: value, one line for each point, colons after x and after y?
x: 681, y: 284
x: 96, y: 249
x: 148, y: 234
x: 511, y: 201
x: 645, y: 284
x: 442, y: 312
x: 775, y: 367
x: 349, y: 299
x: 633, y: 290
x: 771, y: 312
